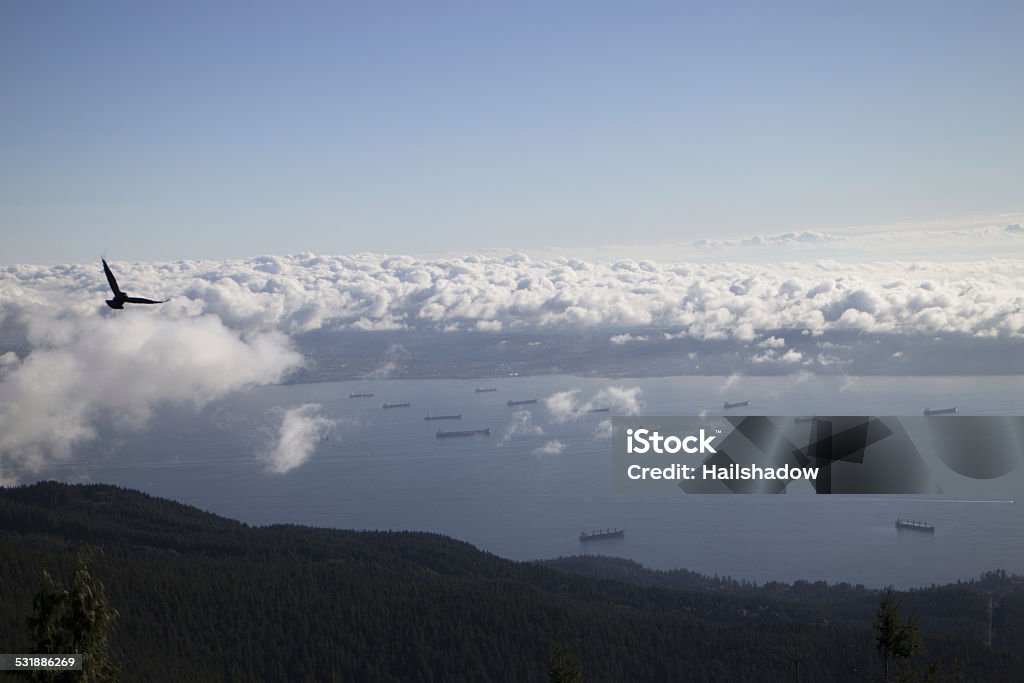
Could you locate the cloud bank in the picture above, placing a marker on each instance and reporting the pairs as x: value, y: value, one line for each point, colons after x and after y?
x: 703, y: 301
x: 228, y: 325
x: 942, y: 240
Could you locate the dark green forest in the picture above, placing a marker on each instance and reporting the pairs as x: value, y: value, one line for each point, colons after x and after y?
x: 203, y: 598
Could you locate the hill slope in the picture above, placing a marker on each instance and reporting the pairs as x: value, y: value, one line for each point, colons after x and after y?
x: 206, y: 598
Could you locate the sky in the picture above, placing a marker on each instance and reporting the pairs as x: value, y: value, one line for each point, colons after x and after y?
x: 213, y: 130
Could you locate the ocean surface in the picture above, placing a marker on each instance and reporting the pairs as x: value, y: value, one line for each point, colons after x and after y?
x: 528, y: 490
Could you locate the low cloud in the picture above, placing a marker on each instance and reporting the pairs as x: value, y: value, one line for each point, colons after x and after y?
x: 302, y: 428
x: 565, y: 406
x: 789, y: 357
x: 620, y: 339
x: 730, y: 382
x: 120, y: 369
x: 521, y: 424
x: 393, y: 358
x: 619, y: 400
x: 550, y: 448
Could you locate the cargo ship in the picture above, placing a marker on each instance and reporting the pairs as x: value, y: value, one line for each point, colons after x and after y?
x: 601, y: 534
x: 467, y: 432
x: 484, y: 390
x: 360, y: 395
x: 738, y: 404
x: 396, y: 405
x: 522, y: 403
x: 915, y: 525
x: 928, y: 412
x: 443, y: 417
x: 598, y: 410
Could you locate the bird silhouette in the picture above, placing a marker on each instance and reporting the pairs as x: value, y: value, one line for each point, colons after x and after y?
x: 120, y: 298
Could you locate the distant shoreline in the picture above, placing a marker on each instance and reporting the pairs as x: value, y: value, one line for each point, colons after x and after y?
x: 619, y: 377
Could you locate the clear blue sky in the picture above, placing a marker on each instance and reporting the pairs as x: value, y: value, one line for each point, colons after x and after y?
x: 160, y: 130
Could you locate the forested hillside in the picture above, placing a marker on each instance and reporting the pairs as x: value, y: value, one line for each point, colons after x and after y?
x: 205, y: 598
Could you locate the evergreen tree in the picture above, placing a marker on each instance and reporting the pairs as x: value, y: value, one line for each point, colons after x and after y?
x: 74, y: 620
x: 896, y: 639
x: 563, y: 667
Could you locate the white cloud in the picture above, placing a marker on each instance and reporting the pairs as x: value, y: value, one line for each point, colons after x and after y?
x: 226, y: 325
x: 521, y: 424
x: 788, y: 239
x: 393, y: 357
x: 301, y: 429
x: 739, y: 301
x: 550, y: 448
x: 619, y: 400
x: 983, y: 237
x: 625, y: 338
x: 791, y: 356
x: 121, y: 368
x: 730, y: 382
x: 564, y: 406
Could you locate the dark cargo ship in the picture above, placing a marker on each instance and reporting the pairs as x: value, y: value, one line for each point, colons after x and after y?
x: 914, y: 525
x: 928, y: 412
x: 522, y: 403
x: 467, y: 432
x: 396, y: 405
x: 738, y: 404
x: 361, y: 395
x: 484, y: 390
x: 601, y: 534
x: 443, y: 417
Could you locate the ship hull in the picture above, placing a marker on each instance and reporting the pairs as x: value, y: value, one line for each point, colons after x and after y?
x: 468, y: 432
x: 601, y: 535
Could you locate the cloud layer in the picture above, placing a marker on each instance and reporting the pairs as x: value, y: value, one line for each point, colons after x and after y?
x: 702, y: 301
x: 228, y: 325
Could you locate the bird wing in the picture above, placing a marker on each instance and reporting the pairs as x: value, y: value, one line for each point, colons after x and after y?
x: 140, y: 300
x: 110, y: 278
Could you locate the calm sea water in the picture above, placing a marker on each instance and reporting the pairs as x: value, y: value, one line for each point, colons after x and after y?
x: 384, y: 469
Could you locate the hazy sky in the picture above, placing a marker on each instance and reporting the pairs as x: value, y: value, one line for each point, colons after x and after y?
x: 206, y: 130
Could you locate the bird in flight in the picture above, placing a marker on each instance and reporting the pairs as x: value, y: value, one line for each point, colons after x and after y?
x: 120, y: 298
